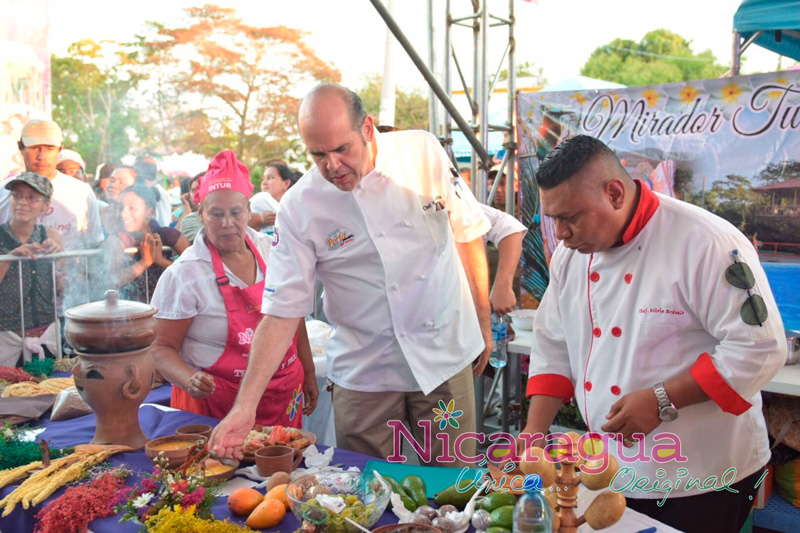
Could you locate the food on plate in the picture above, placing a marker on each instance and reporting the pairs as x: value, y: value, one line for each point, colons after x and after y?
x: 56, y: 385
x: 23, y: 389
x: 261, y: 436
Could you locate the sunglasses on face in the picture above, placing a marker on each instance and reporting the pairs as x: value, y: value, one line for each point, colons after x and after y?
x: 754, y: 309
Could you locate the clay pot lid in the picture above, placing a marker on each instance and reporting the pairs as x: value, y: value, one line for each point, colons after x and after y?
x: 111, y: 308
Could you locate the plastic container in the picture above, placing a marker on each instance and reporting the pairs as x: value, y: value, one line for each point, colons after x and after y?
x: 532, y: 512
x: 499, y: 357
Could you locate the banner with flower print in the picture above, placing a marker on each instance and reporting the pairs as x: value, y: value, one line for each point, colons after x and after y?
x: 678, y: 138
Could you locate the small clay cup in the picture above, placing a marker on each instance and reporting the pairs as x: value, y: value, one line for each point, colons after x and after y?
x: 271, y: 459
x: 203, y: 430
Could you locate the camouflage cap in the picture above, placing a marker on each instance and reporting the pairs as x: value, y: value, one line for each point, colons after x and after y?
x: 33, y: 180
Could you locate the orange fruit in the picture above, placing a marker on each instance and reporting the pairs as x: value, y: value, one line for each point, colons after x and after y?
x: 269, y: 513
x: 279, y: 493
x: 242, y: 501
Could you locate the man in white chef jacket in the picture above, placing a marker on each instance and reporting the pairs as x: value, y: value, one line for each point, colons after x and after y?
x: 652, y: 323
x: 382, y: 221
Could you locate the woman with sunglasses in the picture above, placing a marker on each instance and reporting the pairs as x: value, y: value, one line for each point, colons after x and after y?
x: 209, y: 305
x: 23, y: 236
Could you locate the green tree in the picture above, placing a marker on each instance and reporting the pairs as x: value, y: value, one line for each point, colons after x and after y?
x: 527, y: 70
x: 660, y: 57
x: 775, y: 172
x: 733, y: 199
x: 411, y: 108
x: 92, y: 103
x: 223, y: 82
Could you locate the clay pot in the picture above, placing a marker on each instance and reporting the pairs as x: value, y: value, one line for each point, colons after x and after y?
x: 204, y: 430
x: 115, y: 370
x: 111, y: 325
x: 174, y: 447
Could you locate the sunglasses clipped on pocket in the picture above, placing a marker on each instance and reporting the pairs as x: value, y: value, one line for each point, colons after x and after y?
x: 754, y: 310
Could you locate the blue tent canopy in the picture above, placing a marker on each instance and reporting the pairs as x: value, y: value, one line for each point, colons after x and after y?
x: 777, y: 20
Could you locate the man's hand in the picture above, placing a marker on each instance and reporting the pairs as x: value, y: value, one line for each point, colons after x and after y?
x: 503, y: 299
x: 310, y: 394
x: 483, y: 360
x: 636, y: 412
x: 228, y: 437
x: 522, y: 444
x: 201, y: 385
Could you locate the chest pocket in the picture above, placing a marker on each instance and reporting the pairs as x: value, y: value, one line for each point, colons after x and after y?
x: 658, y: 343
x: 438, y: 224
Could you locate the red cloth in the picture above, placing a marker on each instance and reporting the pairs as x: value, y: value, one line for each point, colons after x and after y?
x: 224, y: 172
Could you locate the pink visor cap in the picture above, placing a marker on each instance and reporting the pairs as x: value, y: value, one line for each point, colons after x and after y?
x: 225, y: 172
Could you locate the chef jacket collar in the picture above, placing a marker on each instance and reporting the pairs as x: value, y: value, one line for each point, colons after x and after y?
x: 648, y: 204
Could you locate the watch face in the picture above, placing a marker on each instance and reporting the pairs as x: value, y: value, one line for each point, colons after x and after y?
x: 667, y: 414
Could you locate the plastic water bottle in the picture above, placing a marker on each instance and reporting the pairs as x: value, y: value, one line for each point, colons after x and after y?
x: 499, y: 357
x: 532, y: 512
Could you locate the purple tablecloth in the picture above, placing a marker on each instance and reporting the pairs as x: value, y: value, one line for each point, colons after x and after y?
x: 155, y: 423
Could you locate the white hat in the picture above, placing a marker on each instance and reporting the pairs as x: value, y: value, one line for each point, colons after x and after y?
x: 39, y: 131
x: 71, y: 155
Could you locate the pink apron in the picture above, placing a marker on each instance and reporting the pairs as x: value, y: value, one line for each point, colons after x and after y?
x: 282, y: 402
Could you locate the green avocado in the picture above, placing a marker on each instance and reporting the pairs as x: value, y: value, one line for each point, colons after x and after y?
x: 497, y: 499
x: 497, y: 530
x: 453, y: 496
x: 502, y: 517
x: 408, y: 501
x: 415, y: 488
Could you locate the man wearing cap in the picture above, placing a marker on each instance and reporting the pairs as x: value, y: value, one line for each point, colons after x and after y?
x: 22, y: 236
x: 209, y: 304
x: 74, y: 210
x: 396, y: 239
x: 71, y: 163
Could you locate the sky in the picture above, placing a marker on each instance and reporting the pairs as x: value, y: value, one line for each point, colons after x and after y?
x: 557, y: 35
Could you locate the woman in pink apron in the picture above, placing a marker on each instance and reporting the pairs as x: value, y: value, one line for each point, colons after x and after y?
x: 209, y: 301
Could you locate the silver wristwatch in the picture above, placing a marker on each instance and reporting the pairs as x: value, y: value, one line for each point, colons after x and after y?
x: 666, y: 409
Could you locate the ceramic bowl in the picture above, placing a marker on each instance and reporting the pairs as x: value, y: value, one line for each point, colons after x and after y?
x: 174, y: 447
x: 522, y: 319
x: 222, y: 470
x: 195, y: 429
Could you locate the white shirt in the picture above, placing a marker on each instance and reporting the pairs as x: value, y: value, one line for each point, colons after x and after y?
x: 623, y: 320
x: 502, y: 223
x: 163, y: 206
x: 264, y: 202
x: 385, y: 252
x: 188, y: 289
x: 74, y: 212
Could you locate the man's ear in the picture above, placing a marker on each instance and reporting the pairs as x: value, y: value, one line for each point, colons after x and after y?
x: 367, y: 128
x: 615, y: 189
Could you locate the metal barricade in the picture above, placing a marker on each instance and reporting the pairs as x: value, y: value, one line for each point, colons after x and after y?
x: 54, y: 257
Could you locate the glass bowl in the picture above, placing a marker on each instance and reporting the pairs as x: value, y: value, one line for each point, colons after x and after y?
x: 365, y: 496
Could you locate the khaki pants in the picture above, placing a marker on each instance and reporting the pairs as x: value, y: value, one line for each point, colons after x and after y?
x: 361, y: 418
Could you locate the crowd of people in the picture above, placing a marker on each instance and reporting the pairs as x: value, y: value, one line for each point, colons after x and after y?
x: 641, y: 330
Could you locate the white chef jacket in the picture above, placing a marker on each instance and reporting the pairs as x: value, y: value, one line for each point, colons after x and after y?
x: 385, y: 252
x: 74, y: 212
x: 502, y: 224
x: 651, y: 309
